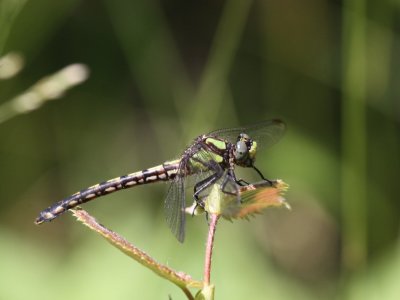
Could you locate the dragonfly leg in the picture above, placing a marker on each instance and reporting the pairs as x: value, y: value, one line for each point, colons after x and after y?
x: 205, y: 183
x: 240, y: 181
x: 202, y: 185
x: 231, y: 176
x: 262, y: 176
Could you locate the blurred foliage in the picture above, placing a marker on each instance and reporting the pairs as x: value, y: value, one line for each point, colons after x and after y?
x: 163, y: 72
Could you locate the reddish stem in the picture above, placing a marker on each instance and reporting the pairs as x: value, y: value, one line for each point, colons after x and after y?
x: 209, y: 247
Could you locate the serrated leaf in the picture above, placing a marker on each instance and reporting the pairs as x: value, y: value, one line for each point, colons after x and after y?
x: 253, y: 199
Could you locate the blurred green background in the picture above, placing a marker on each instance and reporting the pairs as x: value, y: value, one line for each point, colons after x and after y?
x: 163, y: 72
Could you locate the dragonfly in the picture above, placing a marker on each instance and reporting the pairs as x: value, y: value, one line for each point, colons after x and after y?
x: 211, y: 159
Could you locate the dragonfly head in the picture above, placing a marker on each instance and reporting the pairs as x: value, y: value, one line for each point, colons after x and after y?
x: 245, y: 151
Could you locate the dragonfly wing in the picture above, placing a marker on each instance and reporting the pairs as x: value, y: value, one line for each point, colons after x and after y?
x: 266, y: 133
x: 174, y: 205
x: 197, y: 166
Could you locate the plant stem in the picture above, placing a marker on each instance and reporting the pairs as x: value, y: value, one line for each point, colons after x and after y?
x: 180, y: 279
x: 354, y: 204
x: 209, y: 247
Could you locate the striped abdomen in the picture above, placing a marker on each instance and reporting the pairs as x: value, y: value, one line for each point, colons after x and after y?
x: 164, y: 172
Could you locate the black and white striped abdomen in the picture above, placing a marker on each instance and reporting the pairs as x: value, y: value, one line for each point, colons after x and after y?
x: 164, y: 172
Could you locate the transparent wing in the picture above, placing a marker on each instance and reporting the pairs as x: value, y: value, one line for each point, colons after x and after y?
x: 174, y: 206
x: 265, y: 133
x: 197, y: 166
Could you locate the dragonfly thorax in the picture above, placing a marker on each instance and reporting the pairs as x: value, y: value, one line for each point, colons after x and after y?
x: 245, y: 151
